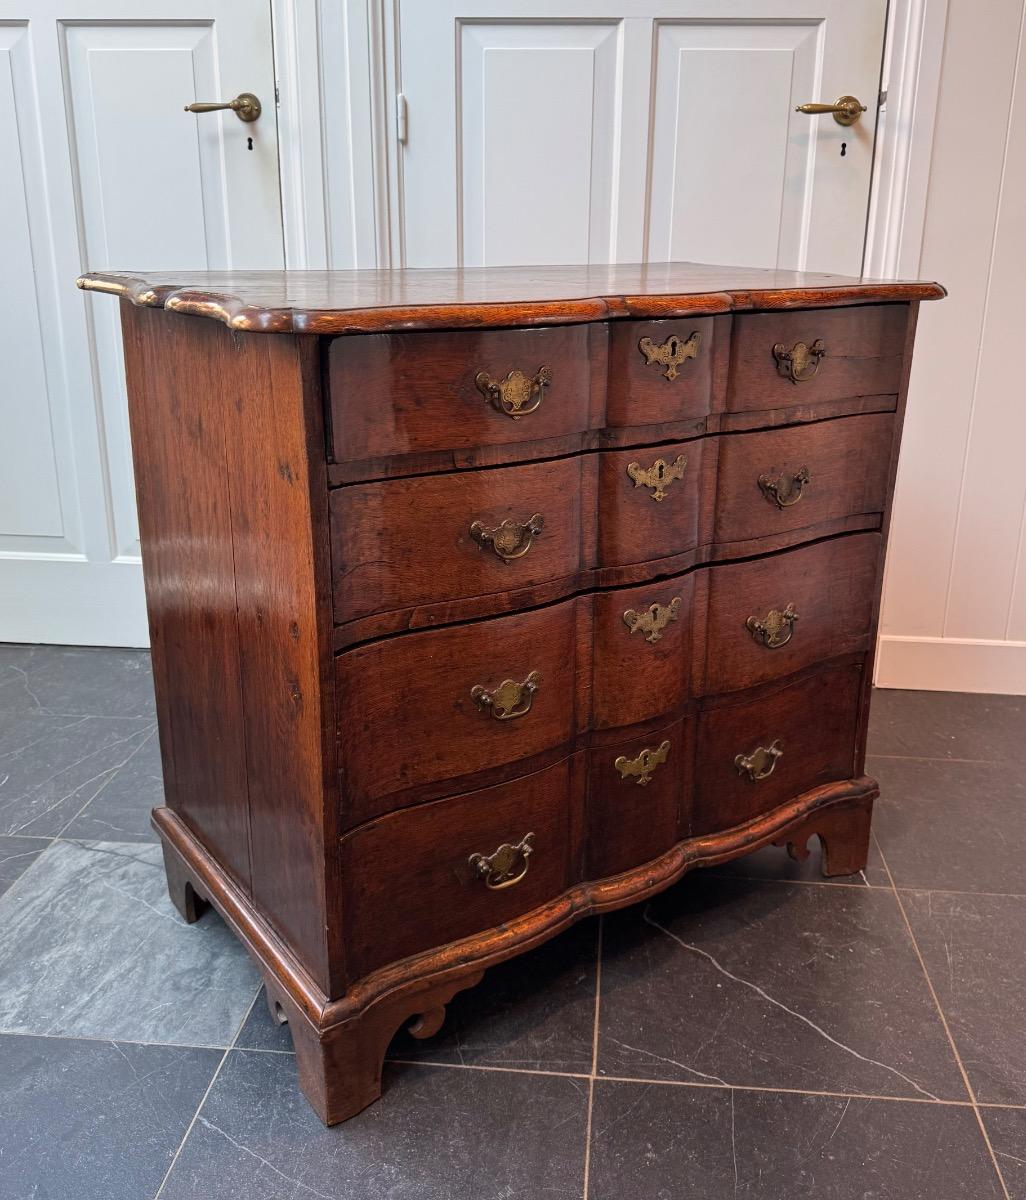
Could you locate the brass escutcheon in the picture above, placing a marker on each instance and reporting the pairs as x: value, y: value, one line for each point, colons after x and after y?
x: 761, y: 762
x: 801, y: 362
x: 653, y: 620
x: 640, y: 768
x: 516, y: 395
x: 506, y: 866
x: 671, y: 353
x: 786, y: 489
x: 658, y: 476
x: 511, y: 539
x: 775, y: 629
x: 509, y: 700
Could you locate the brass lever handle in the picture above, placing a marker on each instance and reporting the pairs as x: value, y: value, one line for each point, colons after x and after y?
x: 761, y: 762
x: 245, y: 106
x: 505, y: 866
x: 511, y: 539
x: 786, y: 490
x: 509, y: 700
x: 846, y: 111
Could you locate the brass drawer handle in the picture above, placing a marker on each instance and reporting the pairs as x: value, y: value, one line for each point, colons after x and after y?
x: 640, y: 768
x: 786, y: 489
x: 511, y: 539
x: 516, y: 395
x: 760, y: 763
x: 509, y: 700
x: 775, y: 629
x: 658, y: 476
x: 801, y: 362
x: 506, y: 866
x: 671, y: 353
x: 653, y: 620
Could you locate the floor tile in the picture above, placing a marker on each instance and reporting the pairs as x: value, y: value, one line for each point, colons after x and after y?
x: 51, y: 767
x: 952, y: 826
x: 773, y: 985
x: 437, y: 1133
x: 1006, y: 1128
x: 17, y: 854
x: 76, y: 681
x: 536, y: 1012
x: 672, y: 1143
x: 947, y: 725
x: 773, y: 863
x: 260, y: 1032
x: 91, y: 947
x: 976, y: 956
x: 94, y: 1120
x: 121, y: 811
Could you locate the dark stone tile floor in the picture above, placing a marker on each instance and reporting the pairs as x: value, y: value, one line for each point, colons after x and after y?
x: 755, y: 1032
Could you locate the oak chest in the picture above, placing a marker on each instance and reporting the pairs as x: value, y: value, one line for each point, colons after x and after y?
x: 484, y: 600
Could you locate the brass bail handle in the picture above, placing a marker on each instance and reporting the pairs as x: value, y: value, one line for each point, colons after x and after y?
x: 846, y: 111
x: 245, y: 106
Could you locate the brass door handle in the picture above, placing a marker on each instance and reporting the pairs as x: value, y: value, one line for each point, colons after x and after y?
x: 509, y: 700
x: 245, y: 106
x: 785, y: 490
x: 846, y: 111
x: 801, y: 362
x: 760, y: 763
x: 505, y: 866
x: 516, y: 395
x: 640, y: 768
x: 511, y: 539
x: 775, y: 629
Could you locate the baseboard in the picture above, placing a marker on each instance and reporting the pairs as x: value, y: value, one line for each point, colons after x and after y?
x: 952, y: 665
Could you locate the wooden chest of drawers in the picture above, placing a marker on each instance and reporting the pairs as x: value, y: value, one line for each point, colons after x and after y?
x: 481, y: 601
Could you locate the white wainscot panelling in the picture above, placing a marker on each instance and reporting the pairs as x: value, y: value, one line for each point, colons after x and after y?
x: 732, y: 185
x: 30, y: 492
x: 537, y: 109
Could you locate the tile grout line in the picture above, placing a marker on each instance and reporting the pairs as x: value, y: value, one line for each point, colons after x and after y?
x: 203, y: 1098
x: 114, y: 774
x: 944, y: 1021
x: 862, y: 887
x: 594, y: 1058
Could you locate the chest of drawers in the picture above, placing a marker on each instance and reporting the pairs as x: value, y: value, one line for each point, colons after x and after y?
x: 481, y: 601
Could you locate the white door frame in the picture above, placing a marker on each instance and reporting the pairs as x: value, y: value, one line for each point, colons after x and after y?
x: 336, y: 62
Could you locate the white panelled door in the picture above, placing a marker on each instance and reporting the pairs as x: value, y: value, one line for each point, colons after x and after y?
x: 633, y: 130
x: 100, y: 167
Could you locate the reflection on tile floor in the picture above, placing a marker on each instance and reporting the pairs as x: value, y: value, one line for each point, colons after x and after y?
x: 754, y: 1032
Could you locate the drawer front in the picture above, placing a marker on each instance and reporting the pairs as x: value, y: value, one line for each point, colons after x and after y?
x: 649, y: 502
x: 664, y: 371
x: 639, y: 796
x: 642, y: 657
x: 407, y: 393
x: 771, y: 617
x: 408, y: 542
x: 449, y: 702
x: 776, y: 359
x: 777, y: 481
x: 811, y: 723
x: 408, y: 881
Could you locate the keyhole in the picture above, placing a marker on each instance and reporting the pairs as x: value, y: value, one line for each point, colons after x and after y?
x: 249, y: 145
x: 844, y: 147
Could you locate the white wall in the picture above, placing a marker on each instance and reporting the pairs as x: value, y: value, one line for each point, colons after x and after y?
x: 954, y: 613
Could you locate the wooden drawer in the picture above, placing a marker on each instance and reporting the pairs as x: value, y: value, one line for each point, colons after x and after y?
x: 642, y: 652
x: 407, y: 881
x: 863, y: 355
x: 407, y: 393
x: 427, y: 540
x: 761, y: 494
x: 412, y: 717
x: 648, y: 510
x: 774, y: 616
x: 812, y: 722
x: 666, y: 371
x: 639, y: 799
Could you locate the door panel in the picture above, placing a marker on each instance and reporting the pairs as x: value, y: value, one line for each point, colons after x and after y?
x: 109, y: 172
x: 631, y: 130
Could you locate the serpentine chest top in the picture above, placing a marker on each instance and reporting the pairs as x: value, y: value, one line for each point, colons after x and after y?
x: 483, y: 600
